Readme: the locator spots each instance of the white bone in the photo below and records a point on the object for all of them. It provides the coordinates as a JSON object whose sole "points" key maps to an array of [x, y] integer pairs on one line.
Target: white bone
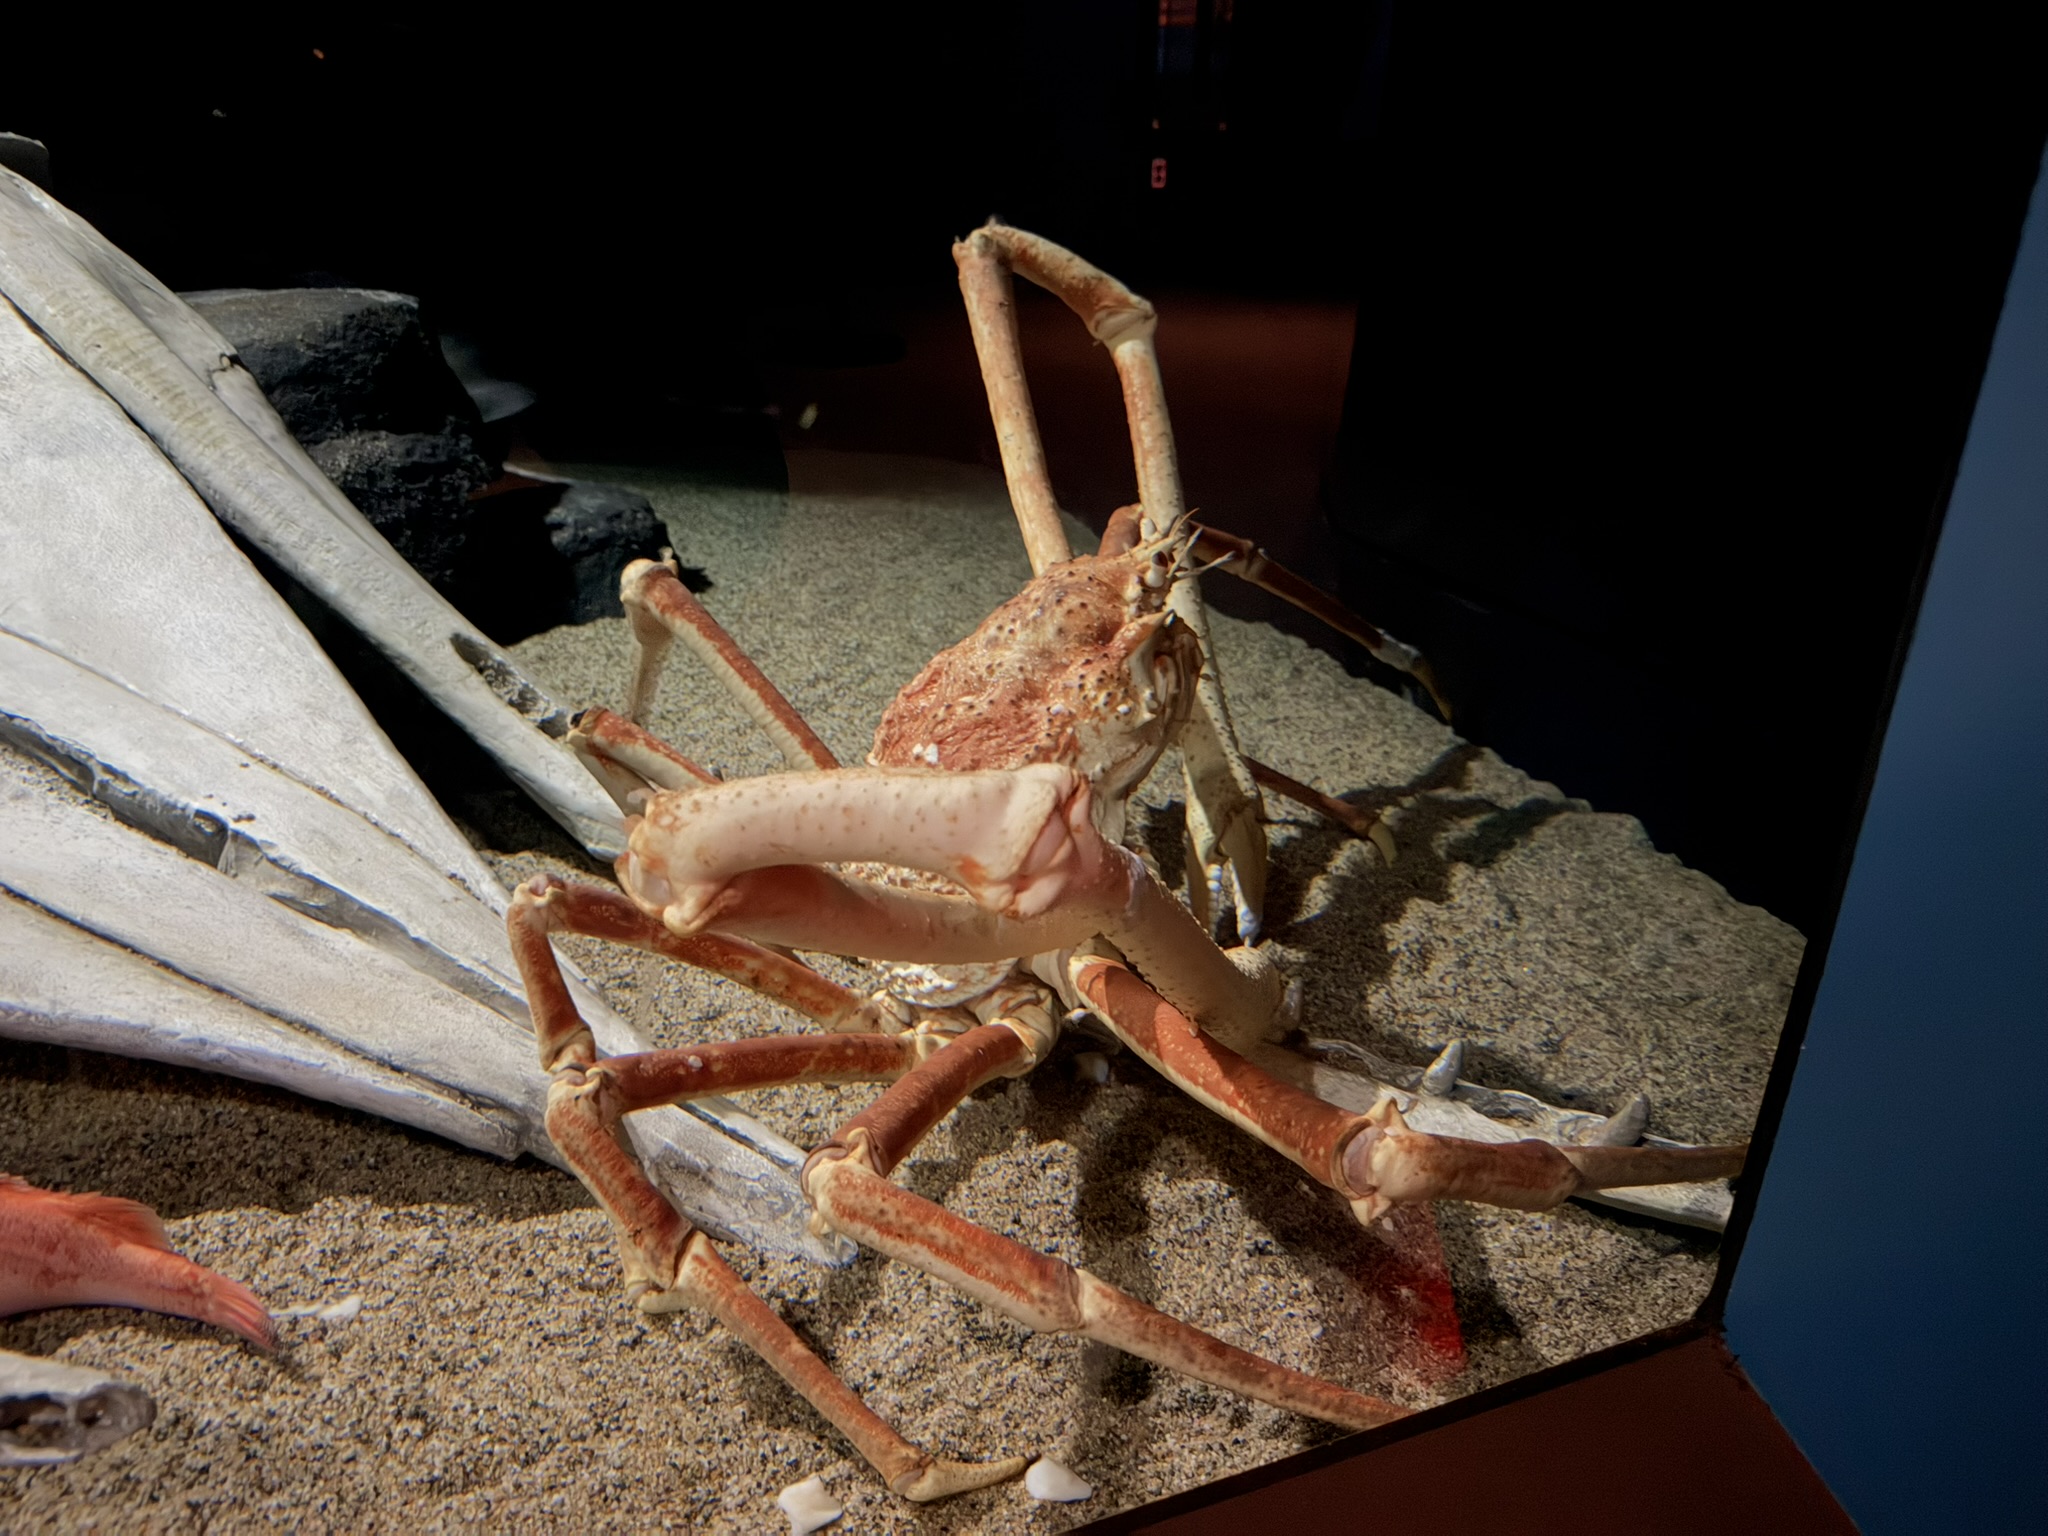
{"points": [[179, 379], [808, 1506], [51, 1413], [347, 1310], [201, 709]]}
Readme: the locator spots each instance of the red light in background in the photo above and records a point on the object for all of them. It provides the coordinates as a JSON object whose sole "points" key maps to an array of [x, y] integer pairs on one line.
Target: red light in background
{"points": [[1159, 174]]}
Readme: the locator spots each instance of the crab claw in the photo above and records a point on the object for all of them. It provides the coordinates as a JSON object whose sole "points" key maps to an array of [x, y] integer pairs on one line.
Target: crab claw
{"points": [[59, 1250], [1226, 834]]}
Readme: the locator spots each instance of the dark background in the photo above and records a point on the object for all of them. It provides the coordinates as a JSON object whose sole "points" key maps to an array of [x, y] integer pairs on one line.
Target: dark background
{"points": [[1667, 323]]}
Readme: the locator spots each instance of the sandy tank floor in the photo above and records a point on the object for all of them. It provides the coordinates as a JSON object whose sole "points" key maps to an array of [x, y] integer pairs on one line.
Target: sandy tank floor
{"points": [[495, 1374]]}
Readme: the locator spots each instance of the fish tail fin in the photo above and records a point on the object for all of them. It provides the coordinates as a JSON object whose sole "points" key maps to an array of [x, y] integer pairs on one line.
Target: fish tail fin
{"points": [[230, 1304], [130, 1263]]}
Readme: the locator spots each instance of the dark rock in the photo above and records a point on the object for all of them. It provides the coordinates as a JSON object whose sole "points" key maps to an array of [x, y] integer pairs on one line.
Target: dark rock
{"points": [[414, 486], [362, 385], [368, 391], [335, 360], [598, 529]]}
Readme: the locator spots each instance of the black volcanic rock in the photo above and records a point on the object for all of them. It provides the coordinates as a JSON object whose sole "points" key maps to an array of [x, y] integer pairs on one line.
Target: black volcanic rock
{"points": [[336, 360], [598, 529], [415, 487], [362, 385]]}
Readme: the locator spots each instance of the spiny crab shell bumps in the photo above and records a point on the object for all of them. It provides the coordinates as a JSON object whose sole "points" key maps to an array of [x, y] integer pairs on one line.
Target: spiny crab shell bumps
{"points": [[1086, 667]]}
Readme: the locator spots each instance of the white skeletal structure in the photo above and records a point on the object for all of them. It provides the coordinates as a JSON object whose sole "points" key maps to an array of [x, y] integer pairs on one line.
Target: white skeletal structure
{"points": [[52, 1413], [241, 874]]}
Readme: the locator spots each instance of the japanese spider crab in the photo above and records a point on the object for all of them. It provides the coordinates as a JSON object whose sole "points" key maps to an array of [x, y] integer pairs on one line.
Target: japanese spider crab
{"points": [[979, 856]]}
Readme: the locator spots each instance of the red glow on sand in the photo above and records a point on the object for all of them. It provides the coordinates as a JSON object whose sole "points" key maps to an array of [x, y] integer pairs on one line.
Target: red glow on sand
{"points": [[1412, 1281]]}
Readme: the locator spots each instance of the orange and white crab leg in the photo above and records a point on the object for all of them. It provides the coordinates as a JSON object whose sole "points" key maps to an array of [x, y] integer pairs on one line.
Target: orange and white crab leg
{"points": [[629, 760], [731, 858], [1049, 1296], [1359, 823], [846, 1181], [546, 904], [662, 610], [1225, 816], [1373, 1160], [669, 1264], [992, 317], [1243, 558], [1114, 315]]}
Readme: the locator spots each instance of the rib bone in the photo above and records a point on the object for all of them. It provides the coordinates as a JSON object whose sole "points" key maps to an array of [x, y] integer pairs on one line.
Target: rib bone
{"points": [[250, 791], [180, 380]]}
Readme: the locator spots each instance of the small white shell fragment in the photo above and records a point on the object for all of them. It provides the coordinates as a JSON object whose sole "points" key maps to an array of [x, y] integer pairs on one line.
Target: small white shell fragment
{"points": [[808, 1505], [346, 1310], [1091, 1067], [1050, 1481]]}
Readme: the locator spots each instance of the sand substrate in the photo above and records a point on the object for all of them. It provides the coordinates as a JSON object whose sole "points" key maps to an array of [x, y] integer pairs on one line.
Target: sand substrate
{"points": [[495, 1375]]}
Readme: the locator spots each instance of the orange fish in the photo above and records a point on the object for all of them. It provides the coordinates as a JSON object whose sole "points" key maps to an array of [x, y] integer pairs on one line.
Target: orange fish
{"points": [[61, 1250]]}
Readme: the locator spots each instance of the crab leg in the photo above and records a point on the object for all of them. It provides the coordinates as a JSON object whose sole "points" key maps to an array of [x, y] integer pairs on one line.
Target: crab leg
{"points": [[846, 1179], [1373, 1159], [1114, 315], [629, 760], [1224, 812], [546, 904], [1358, 823], [992, 316], [731, 858], [1049, 1296], [1246, 561], [669, 1264], [663, 610], [883, 1134], [682, 1073]]}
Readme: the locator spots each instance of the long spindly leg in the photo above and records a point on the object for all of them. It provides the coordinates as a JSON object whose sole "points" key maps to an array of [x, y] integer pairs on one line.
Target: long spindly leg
{"points": [[1225, 816], [846, 1179], [1358, 823], [992, 316], [1244, 559], [546, 904], [630, 761], [1373, 1160], [1115, 316], [663, 610], [669, 1264]]}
